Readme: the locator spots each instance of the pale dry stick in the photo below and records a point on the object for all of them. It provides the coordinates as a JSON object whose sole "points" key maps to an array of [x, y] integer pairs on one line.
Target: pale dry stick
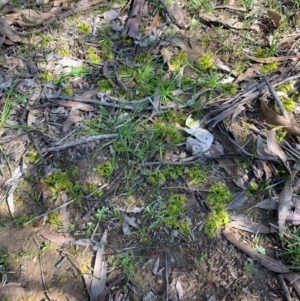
{"points": [[283, 284], [277, 99], [79, 141], [94, 232], [62, 205], [166, 274], [42, 272]]}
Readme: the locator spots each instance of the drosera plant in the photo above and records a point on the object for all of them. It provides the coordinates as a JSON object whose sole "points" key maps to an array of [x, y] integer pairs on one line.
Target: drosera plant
{"points": [[105, 169], [219, 194]]}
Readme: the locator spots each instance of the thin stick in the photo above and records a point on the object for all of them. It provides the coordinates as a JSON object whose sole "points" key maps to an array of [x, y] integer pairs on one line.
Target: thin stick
{"points": [[277, 99], [42, 273], [79, 141], [166, 275]]}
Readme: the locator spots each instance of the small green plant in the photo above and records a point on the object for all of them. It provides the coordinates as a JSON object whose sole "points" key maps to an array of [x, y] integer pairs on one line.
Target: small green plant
{"points": [[196, 174], [179, 60], [92, 55], [101, 214], [288, 103], [105, 169], [83, 27], [126, 262], [46, 76], [157, 177], [206, 61], [67, 91], [54, 219], [104, 85], [249, 268], [93, 188]]}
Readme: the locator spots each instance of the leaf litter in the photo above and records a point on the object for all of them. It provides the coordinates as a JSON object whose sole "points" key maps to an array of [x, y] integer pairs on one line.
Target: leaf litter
{"points": [[69, 127]]}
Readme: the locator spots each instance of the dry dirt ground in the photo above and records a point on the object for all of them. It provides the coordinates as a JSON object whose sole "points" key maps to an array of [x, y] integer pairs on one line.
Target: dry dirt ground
{"points": [[49, 257]]}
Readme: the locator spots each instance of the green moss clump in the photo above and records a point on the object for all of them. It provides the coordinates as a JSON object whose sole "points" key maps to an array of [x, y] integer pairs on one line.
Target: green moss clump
{"points": [[196, 174], [61, 181], [157, 177], [174, 116], [93, 187], [215, 220], [265, 68], [105, 169], [32, 156], [219, 194], [179, 60], [174, 171], [104, 85], [46, 76], [84, 27], [63, 51], [206, 61], [280, 134], [172, 211], [288, 103], [54, 219], [67, 91], [167, 130], [229, 89], [92, 55]]}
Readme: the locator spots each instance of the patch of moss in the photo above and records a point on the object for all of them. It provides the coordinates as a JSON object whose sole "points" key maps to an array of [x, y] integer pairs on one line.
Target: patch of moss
{"points": [[215, 220], [167, 130], [229, 89], [206, 61], [83, 27], [104, 85], [105, 169], [280, 134], [46, 39], [93, 187], [265, 68], [179, 60], [288, 103], [32, 156], [67, 91], [157, 177], [63, 51], [92, 55], [46, 76], [54, 219], [219, 194], [174, 116], [62, 181], [205, 40], [174, 171], [196, 174]]}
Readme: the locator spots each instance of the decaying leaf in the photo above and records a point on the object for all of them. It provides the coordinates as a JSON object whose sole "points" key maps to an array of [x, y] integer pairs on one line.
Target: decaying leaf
{"points": [[268, 60], [293, 216], [275, 119], [238, 201], [228, 166], [33, 17], [154, 22], [233, 23], [75, 105], [14, 290], [108, 16], [285, 203], [139, 9], [167, 55], [56, 239], [178, 13], [294, 279], [98, 283], [72, 118], [275, 17], [268, 204], [249, 73], [248, 226], [7, 32], [156, 266], [179, 290], [264, 260], [275, 149]]}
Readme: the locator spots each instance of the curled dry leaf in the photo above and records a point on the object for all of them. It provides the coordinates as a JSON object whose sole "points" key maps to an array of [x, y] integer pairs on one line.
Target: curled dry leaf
{"points": [[56, 239], [154, 22], [233, 23], [275, 149], [35, 17], [178, 14], [285, 202], [248, 226], [75, 105], [7, 32], [275, 119], [249, 73], [268, 60], [72, 118]]}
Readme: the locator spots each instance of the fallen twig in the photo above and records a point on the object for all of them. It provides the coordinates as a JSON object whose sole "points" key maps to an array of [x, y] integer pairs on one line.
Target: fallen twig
{"points": [[79, 141]]}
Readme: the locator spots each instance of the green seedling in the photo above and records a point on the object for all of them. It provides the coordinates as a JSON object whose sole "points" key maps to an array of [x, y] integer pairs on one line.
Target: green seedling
{"points": [[101, 214], [105, 169]]}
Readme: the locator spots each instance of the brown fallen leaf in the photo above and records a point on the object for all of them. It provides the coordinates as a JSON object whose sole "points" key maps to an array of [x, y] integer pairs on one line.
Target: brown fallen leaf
{"points": [[72, 118], [285, 203], [228, 166], [178, 14], [231, 7], [254, 70], [273, 118], [265, 260], [76, 105], [167, 55], [269, 60], [233, 23], [275, 149], [248, 226], [139, 9], [154, 22], [56, 239], [7, 32], [34, 17], [294, 279], [275, 17]]}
